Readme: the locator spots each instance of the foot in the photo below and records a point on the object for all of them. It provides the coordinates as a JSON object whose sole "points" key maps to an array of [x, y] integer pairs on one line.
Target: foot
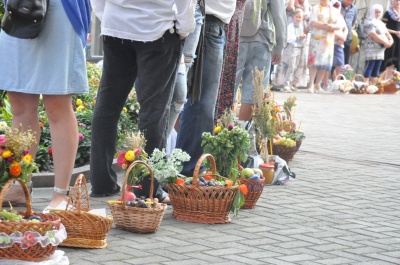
{"points": [[310, 89], [286, 89], [318, 89], [62, 206], [116, 191], [15, 195], [293, 88]]}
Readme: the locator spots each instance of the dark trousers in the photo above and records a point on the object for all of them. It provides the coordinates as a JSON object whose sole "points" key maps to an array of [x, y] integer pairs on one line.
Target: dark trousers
{"points": [[154, 64], [346, 51]]}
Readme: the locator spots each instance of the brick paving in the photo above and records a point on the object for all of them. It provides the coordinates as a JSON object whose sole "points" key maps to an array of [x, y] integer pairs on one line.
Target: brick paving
{"points": [[342, 207]]}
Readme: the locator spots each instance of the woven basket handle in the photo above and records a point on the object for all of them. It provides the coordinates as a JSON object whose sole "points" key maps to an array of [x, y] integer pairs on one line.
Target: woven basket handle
{"points": [[340, 75], [354, 77], [78, 196], [198, 165], [7, 185], [124, 183]]}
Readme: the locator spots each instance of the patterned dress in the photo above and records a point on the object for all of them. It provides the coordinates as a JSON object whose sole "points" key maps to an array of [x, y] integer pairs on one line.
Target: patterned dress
{"points": [[320, 54], [226, 90]]}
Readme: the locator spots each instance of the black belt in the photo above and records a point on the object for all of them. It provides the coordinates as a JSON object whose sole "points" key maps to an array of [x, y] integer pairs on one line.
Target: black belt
{"points": [[212, 18]]}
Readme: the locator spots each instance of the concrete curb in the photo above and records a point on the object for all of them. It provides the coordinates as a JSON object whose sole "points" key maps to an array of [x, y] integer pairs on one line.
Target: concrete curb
{"points": [[46, 179]]}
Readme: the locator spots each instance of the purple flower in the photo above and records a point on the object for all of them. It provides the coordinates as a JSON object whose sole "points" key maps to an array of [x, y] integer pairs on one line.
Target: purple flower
{"points": [[81, 137], [230, 127], [10, 159], [82, 125], [26, 152]]}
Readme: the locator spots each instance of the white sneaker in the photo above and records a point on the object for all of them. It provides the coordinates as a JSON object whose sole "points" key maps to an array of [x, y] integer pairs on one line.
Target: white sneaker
{"points": [[286, 89]]}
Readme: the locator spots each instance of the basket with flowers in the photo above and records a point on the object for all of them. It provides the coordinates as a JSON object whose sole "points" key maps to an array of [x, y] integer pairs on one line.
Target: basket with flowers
{"points": [[23, 235], [208, 197], [138, 215], [289, 136]]}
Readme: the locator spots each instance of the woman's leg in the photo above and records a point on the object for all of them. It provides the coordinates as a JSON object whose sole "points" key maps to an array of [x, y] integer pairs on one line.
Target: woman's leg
{"points": [[313, 73], [320, 75], [64, 138], [24, 109]]}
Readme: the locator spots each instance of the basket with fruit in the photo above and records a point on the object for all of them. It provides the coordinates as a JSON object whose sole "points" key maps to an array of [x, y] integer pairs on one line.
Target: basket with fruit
{"points": [[84, 229], [200, 200], [137, 215], [254, 180], [27, 235]]}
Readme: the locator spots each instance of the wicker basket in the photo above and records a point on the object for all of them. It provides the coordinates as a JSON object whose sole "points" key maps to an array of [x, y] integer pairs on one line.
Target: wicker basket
{"points": [[201, 204], [254, 190], [36, 252], [133, 219], [284, 152], [84, 230]]}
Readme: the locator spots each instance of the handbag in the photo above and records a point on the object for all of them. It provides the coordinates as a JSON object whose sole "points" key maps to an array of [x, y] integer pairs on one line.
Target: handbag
{"points": [[24, 19]]}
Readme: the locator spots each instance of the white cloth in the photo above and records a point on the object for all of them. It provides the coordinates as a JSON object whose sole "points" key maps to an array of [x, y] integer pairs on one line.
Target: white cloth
{"points": [[57, 258], [144, 20], [222, 9]]}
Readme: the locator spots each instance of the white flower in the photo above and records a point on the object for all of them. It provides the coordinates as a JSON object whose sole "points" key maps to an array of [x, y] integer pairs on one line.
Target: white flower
{"points": [[3, 126]]}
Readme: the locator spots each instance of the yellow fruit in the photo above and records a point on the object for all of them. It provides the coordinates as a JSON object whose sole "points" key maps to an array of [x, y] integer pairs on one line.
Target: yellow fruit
{"points": [[6, 154]]}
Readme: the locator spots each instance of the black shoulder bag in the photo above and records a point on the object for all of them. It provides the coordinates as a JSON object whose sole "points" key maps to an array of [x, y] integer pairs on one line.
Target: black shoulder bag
{"points": [[24, 19]]}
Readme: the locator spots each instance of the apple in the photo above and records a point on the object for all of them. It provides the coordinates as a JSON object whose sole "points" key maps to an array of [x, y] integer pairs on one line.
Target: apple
{"points": [[246, 173], [128, 196]]}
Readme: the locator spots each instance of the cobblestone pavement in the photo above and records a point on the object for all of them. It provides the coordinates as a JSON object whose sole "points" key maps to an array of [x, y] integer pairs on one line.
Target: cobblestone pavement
{"points": [[342, 207]]}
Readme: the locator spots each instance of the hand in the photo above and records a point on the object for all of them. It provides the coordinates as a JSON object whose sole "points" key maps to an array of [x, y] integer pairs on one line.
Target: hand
{"points": [[276, 58], [398, 34], [181, 38], [302, 36], [388, 44]]}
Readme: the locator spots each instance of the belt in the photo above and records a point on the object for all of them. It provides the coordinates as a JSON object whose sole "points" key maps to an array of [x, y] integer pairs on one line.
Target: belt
{"points": [[212, 18]]}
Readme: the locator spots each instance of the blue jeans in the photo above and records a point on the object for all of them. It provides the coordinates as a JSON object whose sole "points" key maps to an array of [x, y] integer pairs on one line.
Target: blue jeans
{"points": [[372, 68], [198, 117], [188, 56], [251, 54], [154, 64]]}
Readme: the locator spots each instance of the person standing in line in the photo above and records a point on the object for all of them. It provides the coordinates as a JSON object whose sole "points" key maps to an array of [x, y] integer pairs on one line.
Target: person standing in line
{"points": [[260, 50], [323, 22], [226, 92], [377, 40], [349, 12], [52, 65], [142, 40], [392, 20], [292, 52], [198, 115]]}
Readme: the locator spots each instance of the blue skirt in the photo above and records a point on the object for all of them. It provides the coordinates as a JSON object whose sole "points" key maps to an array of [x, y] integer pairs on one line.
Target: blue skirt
{"points": [[53, 63]]}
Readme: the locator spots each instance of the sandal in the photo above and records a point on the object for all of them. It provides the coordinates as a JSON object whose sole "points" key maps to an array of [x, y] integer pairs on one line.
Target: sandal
{"points": [[62, 205]]}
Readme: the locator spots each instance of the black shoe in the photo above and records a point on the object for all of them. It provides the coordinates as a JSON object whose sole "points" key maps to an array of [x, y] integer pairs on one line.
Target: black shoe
{"points": [[116, 191]]}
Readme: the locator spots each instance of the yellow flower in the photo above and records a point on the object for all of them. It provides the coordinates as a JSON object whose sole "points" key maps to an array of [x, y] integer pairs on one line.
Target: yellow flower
{"points": [[217, 129], [125, 109], [6, 154], [130, 156], [79, 102], [80, 108], [27, 159]]}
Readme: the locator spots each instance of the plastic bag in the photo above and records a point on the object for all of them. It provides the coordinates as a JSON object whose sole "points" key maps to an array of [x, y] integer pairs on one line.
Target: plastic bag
{"points": [[282, 173]]}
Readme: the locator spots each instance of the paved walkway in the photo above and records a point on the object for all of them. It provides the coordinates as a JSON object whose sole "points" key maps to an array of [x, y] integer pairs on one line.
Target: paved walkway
{"points": [[342, 208]]}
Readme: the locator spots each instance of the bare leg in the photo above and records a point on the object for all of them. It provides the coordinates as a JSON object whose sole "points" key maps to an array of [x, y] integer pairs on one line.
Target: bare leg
{"points": [[64, 138], [320, 75], [24, 108], [313, 73], [245, 112]]}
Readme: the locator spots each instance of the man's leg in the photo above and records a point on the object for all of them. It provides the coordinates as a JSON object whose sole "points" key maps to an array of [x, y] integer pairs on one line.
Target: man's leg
{"points": [[119, 74], [158, 61], [198, 117]]}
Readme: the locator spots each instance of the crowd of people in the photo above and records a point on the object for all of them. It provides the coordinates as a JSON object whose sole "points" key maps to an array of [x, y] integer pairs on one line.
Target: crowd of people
{"points": [[187, 59]]}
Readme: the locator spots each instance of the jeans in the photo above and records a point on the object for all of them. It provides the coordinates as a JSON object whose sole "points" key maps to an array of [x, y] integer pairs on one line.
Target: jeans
{"points": [[154, 63], [251, 54], [372, 68], [188, 56], [198, 117]]}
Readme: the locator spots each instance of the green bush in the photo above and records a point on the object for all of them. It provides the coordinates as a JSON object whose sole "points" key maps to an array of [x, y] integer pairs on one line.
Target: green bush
{"points": [[1, 10]]}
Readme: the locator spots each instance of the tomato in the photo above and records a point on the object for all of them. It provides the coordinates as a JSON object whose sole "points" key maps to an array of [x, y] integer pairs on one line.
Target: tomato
{"points": [[180, 182], [209, 176], [228, 183], [243, 189]]}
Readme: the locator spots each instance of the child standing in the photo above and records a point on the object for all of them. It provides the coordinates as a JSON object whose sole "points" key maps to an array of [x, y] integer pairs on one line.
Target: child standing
{"points": [[292, 52]]}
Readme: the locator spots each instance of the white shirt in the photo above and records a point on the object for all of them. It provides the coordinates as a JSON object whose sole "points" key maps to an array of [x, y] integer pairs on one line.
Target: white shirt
{"points": [[222, 9], [145, 20]]}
